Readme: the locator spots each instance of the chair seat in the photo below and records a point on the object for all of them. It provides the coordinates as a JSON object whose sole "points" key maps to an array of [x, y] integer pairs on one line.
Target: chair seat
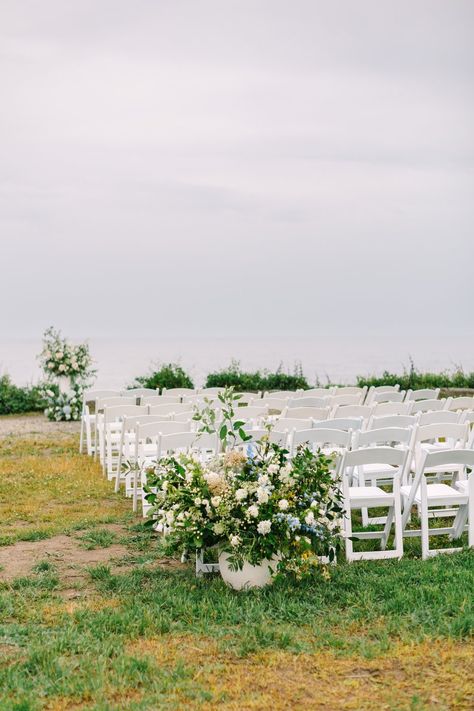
{"points": [[437, 494], [375, 470], [364, 496]]}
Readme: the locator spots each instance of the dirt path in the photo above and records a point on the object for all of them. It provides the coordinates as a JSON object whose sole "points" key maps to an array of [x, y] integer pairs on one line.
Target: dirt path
{"points": [[36, 424]]}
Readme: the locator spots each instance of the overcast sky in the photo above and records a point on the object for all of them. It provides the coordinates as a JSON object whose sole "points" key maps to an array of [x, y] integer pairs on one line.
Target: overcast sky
{"points": [[244, 167]]}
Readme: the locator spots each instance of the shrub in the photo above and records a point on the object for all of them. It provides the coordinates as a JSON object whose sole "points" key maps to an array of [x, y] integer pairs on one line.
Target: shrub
{"points": [[170, 375], [258, 380], [414, 379], [15, 400]]}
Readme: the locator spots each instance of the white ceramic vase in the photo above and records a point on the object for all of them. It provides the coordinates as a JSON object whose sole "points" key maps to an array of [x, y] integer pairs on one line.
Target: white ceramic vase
{"points": [[251, 576]]}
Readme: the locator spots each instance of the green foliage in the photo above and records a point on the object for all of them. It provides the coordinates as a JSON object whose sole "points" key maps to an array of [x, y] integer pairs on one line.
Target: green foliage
{"points": [[170, 375], [259, 380], [14, 400], [412, 378]]}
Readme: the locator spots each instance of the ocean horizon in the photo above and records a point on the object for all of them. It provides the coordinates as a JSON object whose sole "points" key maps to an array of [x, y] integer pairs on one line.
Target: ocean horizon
{"points": [[119, 360]]}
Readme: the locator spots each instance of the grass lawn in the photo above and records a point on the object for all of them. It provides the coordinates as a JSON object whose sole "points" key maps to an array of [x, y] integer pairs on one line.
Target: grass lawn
{"points": [[93, 617]]}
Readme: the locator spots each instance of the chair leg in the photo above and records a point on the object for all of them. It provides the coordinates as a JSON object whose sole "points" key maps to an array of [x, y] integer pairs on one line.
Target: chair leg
{"points": [[81, 439], [348, 534], [398, 518], [425, 541], [387, 527], [470, 509]]}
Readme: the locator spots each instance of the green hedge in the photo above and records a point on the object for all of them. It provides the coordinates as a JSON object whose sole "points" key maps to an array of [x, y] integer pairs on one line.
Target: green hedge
{"points": [[414, 379], [14, 400], [258, 380], [168, 376]]}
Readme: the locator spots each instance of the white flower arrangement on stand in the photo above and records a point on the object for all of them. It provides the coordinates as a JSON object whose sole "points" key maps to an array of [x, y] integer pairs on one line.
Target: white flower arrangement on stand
{"points": [[68, 372], [257, 508]]}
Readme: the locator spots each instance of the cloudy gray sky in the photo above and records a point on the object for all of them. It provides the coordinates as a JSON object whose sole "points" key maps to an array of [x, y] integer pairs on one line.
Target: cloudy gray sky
{"points": [[237, 167]]}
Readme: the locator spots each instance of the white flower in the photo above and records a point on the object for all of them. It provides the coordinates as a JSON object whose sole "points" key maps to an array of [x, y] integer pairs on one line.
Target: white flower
{"points": [[62, 367], [59, 354], [50, 366], [214, 481], [253, 511], [216, 500], [169, 517], [262, 495], [197, 502], [235, 541], [309, 518], [273, 468], [283, 504], [218, 528], [241, 494], [264, 527]]}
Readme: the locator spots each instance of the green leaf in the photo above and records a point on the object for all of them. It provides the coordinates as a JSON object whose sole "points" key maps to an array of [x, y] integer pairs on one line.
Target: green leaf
{"points": [[223, 432], [239, 424]]}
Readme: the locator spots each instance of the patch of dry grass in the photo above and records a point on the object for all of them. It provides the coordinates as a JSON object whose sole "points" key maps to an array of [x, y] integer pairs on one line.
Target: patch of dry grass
{"points": [[47, 487]]}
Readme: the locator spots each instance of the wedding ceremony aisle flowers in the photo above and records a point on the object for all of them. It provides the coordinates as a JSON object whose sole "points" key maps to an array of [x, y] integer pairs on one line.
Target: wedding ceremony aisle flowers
{"points": [[68, 372], [250, 502]]}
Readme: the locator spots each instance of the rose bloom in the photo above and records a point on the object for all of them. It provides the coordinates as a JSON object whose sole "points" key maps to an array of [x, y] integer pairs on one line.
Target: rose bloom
{"points": [[264, 527], [253, 511], [283, 504], [241, 494]]}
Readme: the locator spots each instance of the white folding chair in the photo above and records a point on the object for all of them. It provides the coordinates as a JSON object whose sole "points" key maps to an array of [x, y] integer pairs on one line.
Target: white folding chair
{"points": [[100, 404], [308, 402], [89, 398], [427, 496], [340, 423], [180, 392], [382, 409], [360, 497], [379, 474], [160, 400], [350, 390], [148, 449], [274, 404], [423, 394], [305, 413], [379, 389], [287, 424], [317, 392], [328, 441], [387, 396], [460, 403], [139, 392], [345, 399], [427, 406], [435, 417], [280, 394], [436, 437], [170, 409], [377, 422], [363, 411], [112, 434]]}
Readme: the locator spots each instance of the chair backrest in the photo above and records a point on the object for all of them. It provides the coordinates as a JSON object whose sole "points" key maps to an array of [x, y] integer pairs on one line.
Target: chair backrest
{"points": [[349, 390], [179, 391], [385, 436], [273, 436], [345, 399], [467, 416], [375, 455], [340, 423], [363, 411], [251, 411], [380, 389], [449, 431], [89, 396], [280, 394], [388, 396], [185, 441], [392, 421], [423, 394], [318, 392], [427, 406], [164, 426], [273, 403], [434, 417], [383, 409], [205, 392], [170, 408], [318, 438], [139, 392], [460, 403], [115, 413], [308, 402], [160, 399], [301, 413], [287, 424], [103, 402]]}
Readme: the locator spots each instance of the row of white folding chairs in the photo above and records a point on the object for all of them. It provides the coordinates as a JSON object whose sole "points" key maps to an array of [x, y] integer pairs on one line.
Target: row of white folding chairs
{"points": [[457, 497]]}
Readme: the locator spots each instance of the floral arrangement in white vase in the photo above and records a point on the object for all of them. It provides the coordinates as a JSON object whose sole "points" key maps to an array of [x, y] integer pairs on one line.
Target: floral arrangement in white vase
{"points": [[252, 503], [68, 372]]}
